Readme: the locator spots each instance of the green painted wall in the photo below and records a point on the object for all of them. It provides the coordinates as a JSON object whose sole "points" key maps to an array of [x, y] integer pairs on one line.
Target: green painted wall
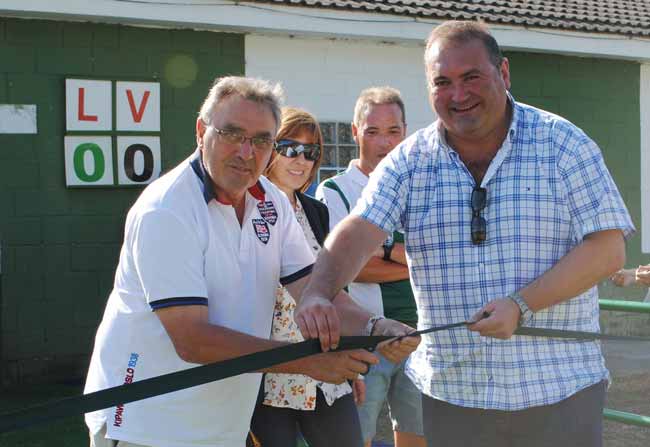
{"points": [[60, 246], [602, 97]]}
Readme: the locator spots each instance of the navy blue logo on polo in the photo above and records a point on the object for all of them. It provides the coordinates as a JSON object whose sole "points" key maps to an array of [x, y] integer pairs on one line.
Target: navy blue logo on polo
{"points": [[268, 212], [261, 230]]}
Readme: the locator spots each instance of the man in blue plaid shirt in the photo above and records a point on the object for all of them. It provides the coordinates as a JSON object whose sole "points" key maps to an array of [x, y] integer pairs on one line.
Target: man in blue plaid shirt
{"points": [[507, 210]]}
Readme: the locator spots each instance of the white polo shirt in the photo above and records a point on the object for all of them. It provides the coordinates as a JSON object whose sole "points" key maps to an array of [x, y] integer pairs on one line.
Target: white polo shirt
{"points": [[183, 247], [351, 183]]}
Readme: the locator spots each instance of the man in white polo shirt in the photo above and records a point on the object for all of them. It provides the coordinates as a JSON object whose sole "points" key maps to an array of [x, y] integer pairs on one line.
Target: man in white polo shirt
{"points": [[204, 249]]}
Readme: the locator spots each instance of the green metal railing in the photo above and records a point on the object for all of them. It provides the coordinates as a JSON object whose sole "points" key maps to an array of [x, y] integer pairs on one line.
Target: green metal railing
{"points": [[625, 306], [634, 307], [626, 418]]}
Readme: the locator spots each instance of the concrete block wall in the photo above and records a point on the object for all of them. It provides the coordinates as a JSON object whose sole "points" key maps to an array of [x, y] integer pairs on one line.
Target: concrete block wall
{"points": [[60, 246], [602, 97]]}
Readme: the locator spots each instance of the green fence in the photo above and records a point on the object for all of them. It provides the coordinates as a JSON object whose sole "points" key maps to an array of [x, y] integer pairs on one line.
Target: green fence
{"points": [[635, 307]]}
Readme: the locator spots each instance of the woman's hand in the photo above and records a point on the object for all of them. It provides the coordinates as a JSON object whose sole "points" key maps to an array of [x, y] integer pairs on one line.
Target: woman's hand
{"points": [[395, 350]]}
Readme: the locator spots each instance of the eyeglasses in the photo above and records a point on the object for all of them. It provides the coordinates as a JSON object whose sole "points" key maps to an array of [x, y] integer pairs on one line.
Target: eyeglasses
{"points": [[479, 224], [293, 149], [237, 138]]}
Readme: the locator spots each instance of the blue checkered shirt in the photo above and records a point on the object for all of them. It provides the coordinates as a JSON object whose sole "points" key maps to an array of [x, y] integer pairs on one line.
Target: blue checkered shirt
{"points": [[547, 187]]}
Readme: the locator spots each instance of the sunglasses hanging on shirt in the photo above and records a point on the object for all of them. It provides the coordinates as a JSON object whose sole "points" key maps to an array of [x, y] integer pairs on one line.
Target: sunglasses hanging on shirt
{"points": [[479, 224], [293, 149]]}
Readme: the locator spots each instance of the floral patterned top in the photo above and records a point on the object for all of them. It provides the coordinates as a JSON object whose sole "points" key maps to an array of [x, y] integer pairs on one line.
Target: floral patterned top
{"points": [[295, 391]]}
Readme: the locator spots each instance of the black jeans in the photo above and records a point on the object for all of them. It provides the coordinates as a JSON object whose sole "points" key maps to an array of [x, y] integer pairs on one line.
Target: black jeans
{"points": [[576, 421], [325, 426]]}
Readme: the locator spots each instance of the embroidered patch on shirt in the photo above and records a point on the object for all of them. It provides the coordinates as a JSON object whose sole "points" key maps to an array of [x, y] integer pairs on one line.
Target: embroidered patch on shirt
{"points": [[261, 230], [268, 212]]}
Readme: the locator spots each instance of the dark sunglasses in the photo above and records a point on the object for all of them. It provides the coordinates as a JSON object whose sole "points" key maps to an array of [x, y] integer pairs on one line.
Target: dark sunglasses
{"points": [[479, 224], [292, 149]]}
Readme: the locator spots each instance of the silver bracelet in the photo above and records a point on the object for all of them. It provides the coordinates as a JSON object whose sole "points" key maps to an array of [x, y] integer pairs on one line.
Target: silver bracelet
{"points": [[370, 325]]}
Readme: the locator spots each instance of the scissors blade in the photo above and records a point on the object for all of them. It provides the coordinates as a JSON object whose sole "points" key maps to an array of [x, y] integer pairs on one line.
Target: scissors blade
{"points": [[434, 329]]}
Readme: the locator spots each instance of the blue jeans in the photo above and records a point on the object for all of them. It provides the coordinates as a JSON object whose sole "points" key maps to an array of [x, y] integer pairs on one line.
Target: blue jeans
{"points": [[387, 381]]}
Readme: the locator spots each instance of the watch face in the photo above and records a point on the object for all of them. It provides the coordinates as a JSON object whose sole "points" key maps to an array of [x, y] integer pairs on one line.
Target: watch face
{"points": [[526, 316], [526, 313]]}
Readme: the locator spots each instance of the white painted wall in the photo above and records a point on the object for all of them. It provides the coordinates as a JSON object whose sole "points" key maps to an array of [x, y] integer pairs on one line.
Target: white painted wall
{"points": [[645, 157], [325, 76]]}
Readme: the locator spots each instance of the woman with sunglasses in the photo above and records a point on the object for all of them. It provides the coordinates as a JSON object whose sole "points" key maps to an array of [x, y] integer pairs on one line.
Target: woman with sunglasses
{"points": [[324, 413]]}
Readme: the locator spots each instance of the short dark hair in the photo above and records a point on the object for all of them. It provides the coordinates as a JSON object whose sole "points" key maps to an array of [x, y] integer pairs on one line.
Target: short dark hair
{"points": [[461, 32]]}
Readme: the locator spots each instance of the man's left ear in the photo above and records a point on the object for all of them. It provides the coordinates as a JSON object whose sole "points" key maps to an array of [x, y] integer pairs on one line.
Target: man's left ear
{"points": [[505, 72], [200, 131], [355, 131]]}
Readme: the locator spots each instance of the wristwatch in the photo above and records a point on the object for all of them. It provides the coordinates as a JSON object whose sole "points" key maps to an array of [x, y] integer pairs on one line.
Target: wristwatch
{"points": [[388, 248], [370, 325], [526, 313]]}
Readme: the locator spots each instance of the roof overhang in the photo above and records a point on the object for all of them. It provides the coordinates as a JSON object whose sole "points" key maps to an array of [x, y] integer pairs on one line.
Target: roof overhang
{"points": [[247, 17]]}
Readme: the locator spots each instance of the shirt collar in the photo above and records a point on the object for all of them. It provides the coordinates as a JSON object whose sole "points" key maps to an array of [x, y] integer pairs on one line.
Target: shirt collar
{"points": [[514, 120], [356, 175], [257, 190]]}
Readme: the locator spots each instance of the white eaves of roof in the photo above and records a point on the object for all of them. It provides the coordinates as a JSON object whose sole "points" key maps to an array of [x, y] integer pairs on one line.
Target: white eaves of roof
{"points": [[231, 16]]}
